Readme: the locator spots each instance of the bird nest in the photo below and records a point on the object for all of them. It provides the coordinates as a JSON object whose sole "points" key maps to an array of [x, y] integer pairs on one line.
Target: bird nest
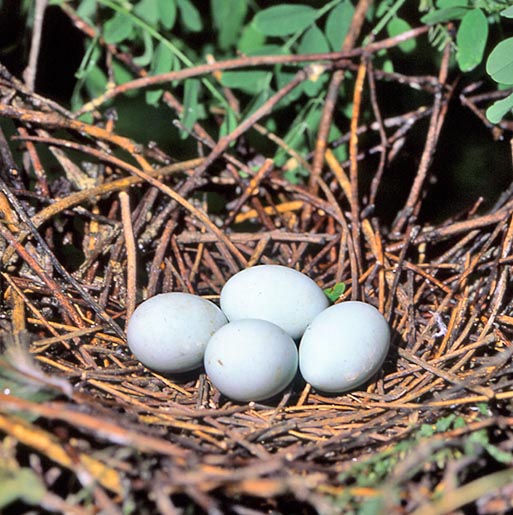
{"points": [[87, 429]]}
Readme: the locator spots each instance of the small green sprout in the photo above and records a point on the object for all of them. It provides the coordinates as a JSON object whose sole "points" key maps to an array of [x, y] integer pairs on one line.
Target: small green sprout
{"points": [[335, 291]]}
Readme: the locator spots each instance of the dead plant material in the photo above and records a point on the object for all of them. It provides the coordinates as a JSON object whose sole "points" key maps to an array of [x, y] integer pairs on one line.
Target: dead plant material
{"points": [[76, 256]]}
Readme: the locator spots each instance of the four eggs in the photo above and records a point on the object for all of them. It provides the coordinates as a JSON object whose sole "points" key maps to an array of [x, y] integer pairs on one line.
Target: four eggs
{"points": [[248, 347]]}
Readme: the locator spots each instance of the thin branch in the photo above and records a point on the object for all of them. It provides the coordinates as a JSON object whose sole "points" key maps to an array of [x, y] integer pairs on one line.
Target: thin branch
{"points": [[29, 74]]}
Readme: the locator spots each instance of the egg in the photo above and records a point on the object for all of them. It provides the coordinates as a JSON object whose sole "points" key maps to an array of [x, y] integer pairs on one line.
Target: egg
{"points": [[344, 346], [169, 332], [251, 360], [275, 293]]}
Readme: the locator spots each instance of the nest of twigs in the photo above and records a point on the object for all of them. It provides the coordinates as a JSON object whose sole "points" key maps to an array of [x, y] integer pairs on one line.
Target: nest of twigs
{"points": [[97, 432]]}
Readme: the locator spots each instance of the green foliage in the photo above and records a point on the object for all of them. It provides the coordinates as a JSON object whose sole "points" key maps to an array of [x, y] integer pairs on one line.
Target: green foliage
{"points": [[474, 19], [191, 106], [499, 109], [397, 26], [251, 81], [430, 446], [471, 40], [338, 23], [118, 28], [444, 15], [167, 13], [166, 35], [500, 67], [162, 62], [335, 291], [500, 62], [228, 17], [190, 15], [20, 484], [284, 19], [508, 13], [20, 375]]}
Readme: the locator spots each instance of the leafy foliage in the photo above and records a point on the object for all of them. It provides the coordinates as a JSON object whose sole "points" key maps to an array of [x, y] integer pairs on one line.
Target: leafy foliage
{"points": [[160, 35], [20, 484], [471, 40], [430, 446]]}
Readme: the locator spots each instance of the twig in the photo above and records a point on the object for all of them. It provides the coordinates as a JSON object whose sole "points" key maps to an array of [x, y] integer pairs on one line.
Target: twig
{"points": [[262, 111], [429, 148], [249, 62], [131, 273], [29, 74], [333, 92]]}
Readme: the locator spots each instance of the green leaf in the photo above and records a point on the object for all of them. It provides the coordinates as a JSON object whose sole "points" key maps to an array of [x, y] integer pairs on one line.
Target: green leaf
{"points": [[122, 74], [228, 16], [190, 15], [148, 10], [340, 151], [95, 82], [268, 50], [479, 437], [313, 42], [86, 10], [443, 424], [229, 124], [398, 26], [373, 505], [383, 8], [251, 81], [22, 485], [146, 57], [118, 28], [161, 62], [507, 13], [499, 455], [167, 13], [426, 430], [459, 422], [91, 57], [443, 15], [257, 101], [284, 19], [283, 77], [483, 409], [250, 39], [335, 291], [496, 112], [190, 105], [445, 4], [295, 175], [314, 85], [295, 138], [500, 62], [471, 40], [338, 23]]}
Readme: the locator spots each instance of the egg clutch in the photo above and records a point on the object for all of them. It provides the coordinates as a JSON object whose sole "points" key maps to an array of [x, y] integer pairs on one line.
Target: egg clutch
{"points": [[249, 346]]}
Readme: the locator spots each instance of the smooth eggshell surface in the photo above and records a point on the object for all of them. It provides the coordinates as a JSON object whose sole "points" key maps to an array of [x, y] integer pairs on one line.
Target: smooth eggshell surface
{"points": [[251, 360], [169, 332], [275, 293], [344, 346]]}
